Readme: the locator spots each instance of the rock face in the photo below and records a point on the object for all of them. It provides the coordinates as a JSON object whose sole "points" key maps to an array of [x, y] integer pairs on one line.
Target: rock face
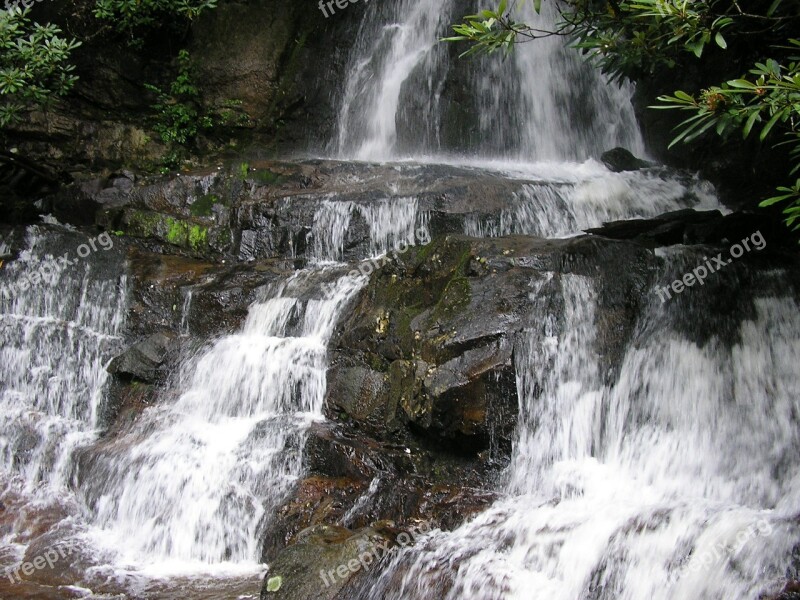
{"points": [[422, 386], [620, 159], [334, 555], [143, 361]]}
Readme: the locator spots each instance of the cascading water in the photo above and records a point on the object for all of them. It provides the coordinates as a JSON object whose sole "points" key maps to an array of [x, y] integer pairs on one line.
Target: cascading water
{"points": [[677, 480], [406, 95], [191, 483], [56, 337], [60, 323], [193, 479]]}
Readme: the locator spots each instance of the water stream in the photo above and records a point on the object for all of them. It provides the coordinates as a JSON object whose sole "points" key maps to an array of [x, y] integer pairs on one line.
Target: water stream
{"points": [[678, 479]]}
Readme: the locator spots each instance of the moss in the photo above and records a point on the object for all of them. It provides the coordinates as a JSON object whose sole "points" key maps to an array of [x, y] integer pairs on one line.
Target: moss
{"points": [[198, 237], [142, 223], [224, 239], [267, 177], [204, 206], [177, 232], [376, 362], [455, 296]]}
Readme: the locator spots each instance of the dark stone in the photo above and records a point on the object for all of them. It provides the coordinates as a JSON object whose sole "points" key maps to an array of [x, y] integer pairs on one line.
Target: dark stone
{"points": [[620, 159], [144, 361], [305, 567], [692, 227]]}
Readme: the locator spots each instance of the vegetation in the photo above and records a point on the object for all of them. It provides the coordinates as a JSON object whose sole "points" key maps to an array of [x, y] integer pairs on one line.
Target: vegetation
{"points": [[635, 38], [34, 65], [179, 116], [132, 18], [35, 69]]}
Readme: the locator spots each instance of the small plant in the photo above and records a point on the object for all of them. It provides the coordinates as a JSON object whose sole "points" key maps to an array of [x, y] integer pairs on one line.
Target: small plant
{"points": [[767, 99], [244, 170], [179, 117], [133, 17], [34, 65]]}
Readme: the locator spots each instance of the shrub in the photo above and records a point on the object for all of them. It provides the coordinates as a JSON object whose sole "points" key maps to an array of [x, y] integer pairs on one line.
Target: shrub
{"points": [[34, 65]]}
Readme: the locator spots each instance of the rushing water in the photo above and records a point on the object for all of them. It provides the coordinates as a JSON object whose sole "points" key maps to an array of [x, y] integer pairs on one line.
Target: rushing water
{"points": [[193, 479], [678, 480], [406, 95], [56, 338]]}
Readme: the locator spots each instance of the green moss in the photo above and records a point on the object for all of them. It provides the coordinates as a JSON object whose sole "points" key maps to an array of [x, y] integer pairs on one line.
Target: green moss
{"points": [[267, 177], [142, 223], [177, 231], [198, 237], [244, 171], [204, 206]]}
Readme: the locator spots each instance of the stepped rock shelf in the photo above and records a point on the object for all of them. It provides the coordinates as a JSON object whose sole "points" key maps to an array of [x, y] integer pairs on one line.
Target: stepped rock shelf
{"points": [[408, 374]]}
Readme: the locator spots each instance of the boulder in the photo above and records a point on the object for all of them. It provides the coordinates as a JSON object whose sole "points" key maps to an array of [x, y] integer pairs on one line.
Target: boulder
{"points": [[144, 360], [322, 560], [620, 159]]}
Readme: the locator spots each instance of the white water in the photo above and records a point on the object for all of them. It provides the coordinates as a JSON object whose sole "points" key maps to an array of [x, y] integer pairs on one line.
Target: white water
{"points": [[390, 222], [190, 483], [564, 208], [55, 338], [680, 480], [542, 103]]}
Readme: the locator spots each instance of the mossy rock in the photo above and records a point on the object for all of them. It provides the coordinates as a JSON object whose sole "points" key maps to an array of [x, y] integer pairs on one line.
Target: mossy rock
{"points": [[178, 232]]}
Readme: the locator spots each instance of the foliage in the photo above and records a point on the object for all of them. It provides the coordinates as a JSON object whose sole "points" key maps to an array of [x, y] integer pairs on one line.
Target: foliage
{"points": [[34, 65], [180, 116], [132, 17], [767, 98], [178, 112], [634, 38]]}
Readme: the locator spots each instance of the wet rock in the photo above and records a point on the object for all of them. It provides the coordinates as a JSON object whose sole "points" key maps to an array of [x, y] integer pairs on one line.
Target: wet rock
{"points": [[790, 591], [440, 324], [322, 560], [620, 159], [144, 361], [355, 479]]}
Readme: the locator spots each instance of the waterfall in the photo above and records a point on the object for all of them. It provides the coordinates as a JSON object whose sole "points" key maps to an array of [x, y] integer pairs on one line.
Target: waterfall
{"points": [[56, 335], [192, 480], [678, 480], [407, 95]]}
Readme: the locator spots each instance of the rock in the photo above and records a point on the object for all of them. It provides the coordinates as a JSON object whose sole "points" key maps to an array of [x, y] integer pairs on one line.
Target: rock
{"points": [[697, 227], [144, 360], [620, 159], [322, 561], [790, 591], [439, 323]]}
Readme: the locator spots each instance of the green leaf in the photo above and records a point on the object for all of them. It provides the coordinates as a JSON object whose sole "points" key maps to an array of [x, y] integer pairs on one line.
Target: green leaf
{"points": [[720, 41], [773, 7], [770, 124], [274, 583], [748, 126], [774, 200], [741, 83]]}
